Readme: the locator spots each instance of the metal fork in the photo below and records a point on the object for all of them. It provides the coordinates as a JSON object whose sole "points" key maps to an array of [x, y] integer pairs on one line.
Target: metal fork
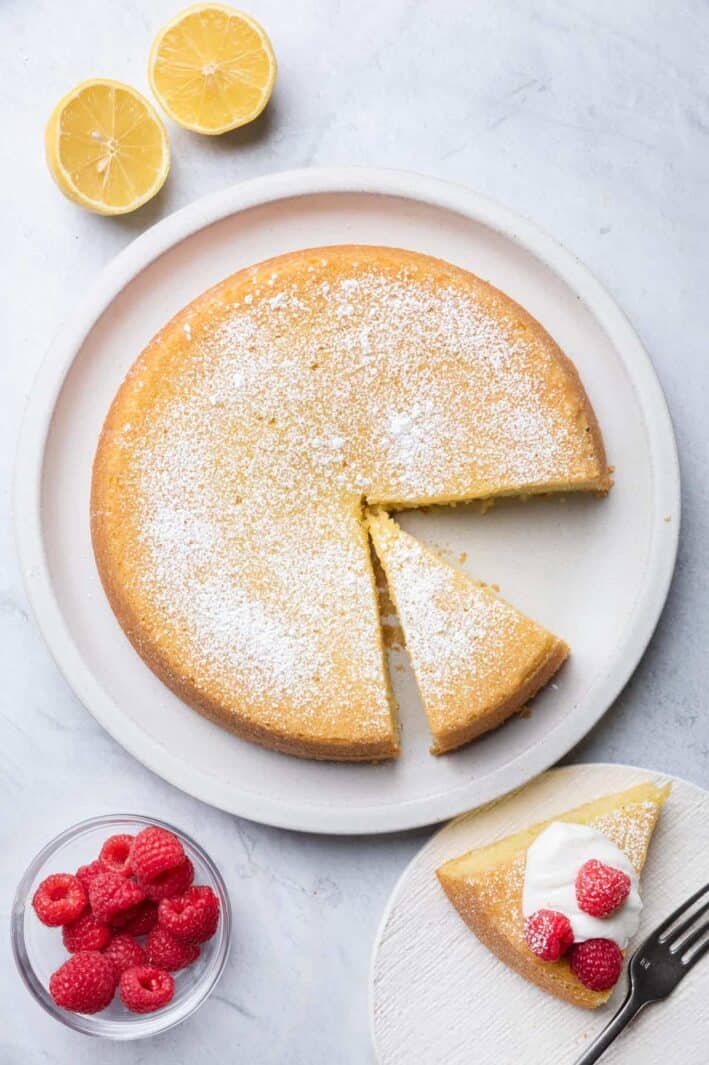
{"points": [[657, 966]]}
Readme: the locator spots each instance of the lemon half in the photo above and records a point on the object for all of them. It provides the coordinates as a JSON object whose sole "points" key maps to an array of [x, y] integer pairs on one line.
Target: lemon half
{"points": [[107, 147], [212, 68]]}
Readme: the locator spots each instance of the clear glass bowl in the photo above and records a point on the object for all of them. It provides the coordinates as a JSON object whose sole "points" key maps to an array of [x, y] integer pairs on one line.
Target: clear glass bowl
{"points": [[39, 950]]}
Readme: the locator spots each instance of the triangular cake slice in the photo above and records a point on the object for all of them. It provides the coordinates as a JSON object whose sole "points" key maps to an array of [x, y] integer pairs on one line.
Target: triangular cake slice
{"points": [[485, 885], [476, 659]]}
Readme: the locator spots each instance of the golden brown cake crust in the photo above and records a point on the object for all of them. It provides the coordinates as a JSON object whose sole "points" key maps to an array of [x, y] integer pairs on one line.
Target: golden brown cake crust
{"points": [[228, 480], [497, 715], [485, 885]]}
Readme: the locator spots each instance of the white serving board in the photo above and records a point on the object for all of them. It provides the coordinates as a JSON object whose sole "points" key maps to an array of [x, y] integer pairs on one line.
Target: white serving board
{"points": [[439, 997]]}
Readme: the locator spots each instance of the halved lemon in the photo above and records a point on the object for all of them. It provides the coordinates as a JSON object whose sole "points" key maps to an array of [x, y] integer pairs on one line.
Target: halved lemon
{"points": [[212, 68], [107, 147]]}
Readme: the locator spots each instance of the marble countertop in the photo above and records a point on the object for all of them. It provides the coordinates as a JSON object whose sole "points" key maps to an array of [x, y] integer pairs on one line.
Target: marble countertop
{"points": [[589, 116]]}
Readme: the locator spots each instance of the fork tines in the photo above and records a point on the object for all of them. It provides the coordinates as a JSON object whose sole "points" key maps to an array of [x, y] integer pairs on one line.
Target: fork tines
{"points": [[683, 929]]}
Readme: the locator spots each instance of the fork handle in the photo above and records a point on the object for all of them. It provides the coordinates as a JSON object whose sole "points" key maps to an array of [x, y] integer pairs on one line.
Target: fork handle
{"points": [[632, 1005]]}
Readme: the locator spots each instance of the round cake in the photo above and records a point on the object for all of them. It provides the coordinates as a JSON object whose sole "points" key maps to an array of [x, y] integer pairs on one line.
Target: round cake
{"points": [[237, 458]]}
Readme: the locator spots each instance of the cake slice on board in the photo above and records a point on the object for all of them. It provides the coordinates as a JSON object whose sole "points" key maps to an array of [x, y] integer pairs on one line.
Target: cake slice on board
{"points": [[486, 885], [476, 658]]}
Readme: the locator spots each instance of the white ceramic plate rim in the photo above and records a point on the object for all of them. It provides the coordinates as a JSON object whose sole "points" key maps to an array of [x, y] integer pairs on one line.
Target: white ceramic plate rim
{"points": [[33, 439], [406, 872]]}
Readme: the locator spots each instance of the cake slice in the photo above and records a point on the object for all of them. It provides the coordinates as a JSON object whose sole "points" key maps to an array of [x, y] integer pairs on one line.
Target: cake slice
{"points": [[476, 659], [486, 885]]}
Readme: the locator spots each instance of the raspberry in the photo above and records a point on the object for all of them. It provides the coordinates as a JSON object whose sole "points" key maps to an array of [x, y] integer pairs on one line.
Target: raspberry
{"points": [[115, 854], [144, 989], [601, 889], [86, 873], [139, 920], [548, 934], [192, 917], [60, 899], [597, 963], [171, 882], [124, 952], [154, 851], [85, 983], [86, 934], [111, 894], [166, 952]]}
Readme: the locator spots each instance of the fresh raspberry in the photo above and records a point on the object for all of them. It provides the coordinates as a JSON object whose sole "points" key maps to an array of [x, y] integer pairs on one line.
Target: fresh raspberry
{"points": [[154, 851], [124, 952], [60, 899], [601, 889], [171, 882], [548, 934], [192, 917], [137, 921], [86, 934], [86, 873], [144, 989], [115, 854], [85, 983], [166, 952], [111, 894], [597, 963]]}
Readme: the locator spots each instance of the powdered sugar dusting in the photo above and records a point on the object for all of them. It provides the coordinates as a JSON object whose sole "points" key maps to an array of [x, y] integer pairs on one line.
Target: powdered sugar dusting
{"points": [[468, 648], [629, 827], [273, 631], [297, 394], [448, 633]]}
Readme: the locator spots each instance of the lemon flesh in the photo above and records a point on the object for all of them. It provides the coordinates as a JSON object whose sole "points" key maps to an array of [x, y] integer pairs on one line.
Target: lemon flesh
{"points": [[107, 148], [212, 69]]}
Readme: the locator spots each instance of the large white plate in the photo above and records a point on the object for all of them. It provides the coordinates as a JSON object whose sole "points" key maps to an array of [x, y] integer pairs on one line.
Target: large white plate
{"points": [[439, 997], [595, 571]]}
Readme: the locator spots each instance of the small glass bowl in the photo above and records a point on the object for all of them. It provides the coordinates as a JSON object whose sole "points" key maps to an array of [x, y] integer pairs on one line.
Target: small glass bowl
{"points": [[39, 950]]}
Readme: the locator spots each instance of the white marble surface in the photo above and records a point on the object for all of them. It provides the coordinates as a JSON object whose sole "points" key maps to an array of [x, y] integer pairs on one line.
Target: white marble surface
{"points": [[591, 117]]}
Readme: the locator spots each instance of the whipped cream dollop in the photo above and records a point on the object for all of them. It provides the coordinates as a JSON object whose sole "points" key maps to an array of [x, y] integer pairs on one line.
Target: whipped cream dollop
{"points": [[553, 861]]}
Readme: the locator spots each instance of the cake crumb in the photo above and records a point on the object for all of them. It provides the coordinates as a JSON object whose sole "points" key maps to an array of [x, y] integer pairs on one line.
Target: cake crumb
{"points": [[392, 635]]}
